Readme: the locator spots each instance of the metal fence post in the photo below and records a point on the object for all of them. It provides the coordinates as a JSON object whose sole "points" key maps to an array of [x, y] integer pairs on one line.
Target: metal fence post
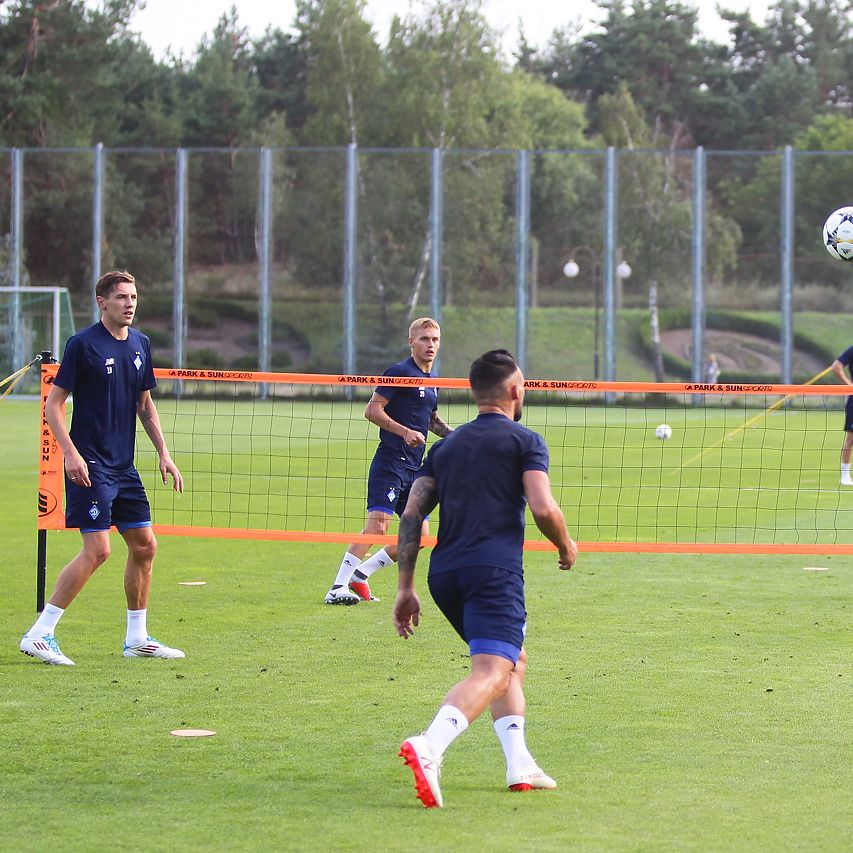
{"points": [[698, 263], [97, 223], [350, 257], [16, 258], [611, 241], [436, 230], [264, 250], [179, 314], [522, 255], [787, 262]]}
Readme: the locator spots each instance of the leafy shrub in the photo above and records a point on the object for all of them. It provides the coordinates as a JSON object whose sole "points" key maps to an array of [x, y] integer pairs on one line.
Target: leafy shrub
{"points": [[205, 357]]}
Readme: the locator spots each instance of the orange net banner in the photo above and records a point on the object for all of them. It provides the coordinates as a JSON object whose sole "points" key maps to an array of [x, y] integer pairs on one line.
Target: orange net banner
{"points": [[636, 466], [51, 465]]}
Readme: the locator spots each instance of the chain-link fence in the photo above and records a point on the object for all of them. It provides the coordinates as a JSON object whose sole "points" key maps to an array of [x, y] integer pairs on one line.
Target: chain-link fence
{"points": [[316, 260]]}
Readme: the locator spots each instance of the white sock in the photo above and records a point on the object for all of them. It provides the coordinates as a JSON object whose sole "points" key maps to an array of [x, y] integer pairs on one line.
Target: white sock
{"points": [[46, 623], [448, 724], [348, 565], [378, 561], [845, 469], [510, 732], [137, 632]]}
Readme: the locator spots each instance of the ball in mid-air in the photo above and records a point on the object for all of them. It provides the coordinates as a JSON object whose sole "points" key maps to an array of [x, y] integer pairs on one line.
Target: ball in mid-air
{"points": [[663, 431], [838, 234]]}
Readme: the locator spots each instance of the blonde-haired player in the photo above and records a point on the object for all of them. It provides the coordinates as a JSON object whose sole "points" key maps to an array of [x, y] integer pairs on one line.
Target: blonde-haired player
{"points": [[404, 415]]}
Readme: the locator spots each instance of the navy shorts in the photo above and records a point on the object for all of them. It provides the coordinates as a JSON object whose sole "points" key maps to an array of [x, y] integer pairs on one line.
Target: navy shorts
{"points": [[388, 485], [485, 606], [848, 415], [115, 498]]}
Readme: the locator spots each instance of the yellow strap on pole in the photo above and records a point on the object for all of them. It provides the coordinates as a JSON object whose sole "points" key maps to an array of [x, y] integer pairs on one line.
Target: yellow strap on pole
{"points": [[777, 405], [14, 378]]}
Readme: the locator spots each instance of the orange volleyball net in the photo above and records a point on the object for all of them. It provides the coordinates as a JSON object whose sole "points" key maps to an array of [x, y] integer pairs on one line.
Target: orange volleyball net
{"points": [[741, 468]]}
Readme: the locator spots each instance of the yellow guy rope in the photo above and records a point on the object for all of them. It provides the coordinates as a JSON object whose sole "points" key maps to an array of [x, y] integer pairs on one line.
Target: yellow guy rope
{"points": [[778, 404], [14, 378]]}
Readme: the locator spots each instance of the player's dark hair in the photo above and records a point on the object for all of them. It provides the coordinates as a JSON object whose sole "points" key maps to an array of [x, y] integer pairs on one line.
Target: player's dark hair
{"points": [[109, 280], [491, 370]]}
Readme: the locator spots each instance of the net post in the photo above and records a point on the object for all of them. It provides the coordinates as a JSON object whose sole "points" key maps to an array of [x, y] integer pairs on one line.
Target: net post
{"points": [[43, 504]]}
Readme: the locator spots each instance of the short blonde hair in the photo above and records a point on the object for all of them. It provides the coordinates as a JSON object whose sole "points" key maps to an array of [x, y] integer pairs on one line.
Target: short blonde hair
{"points": [[423, 323]]}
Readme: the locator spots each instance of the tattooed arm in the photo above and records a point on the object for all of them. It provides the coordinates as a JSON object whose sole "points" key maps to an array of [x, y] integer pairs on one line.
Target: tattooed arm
{"points": [[438, 426], [407, 608]]}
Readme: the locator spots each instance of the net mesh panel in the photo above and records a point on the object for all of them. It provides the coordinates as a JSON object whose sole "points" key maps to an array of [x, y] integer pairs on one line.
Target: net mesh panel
{"points": [[282, 456]]}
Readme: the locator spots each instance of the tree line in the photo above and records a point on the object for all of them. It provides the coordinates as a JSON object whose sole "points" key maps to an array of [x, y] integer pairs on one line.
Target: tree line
{"points": [[644, 78]]}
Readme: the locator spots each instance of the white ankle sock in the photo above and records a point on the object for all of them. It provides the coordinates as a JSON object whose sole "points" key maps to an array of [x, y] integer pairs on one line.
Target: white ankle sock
{"points": [[46, 623], [510, 732], [137, 631], [379, 560], [448, 724], [348, 565]]}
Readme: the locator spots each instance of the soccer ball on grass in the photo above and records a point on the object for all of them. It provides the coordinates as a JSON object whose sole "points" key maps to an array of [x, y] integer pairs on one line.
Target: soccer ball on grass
{"points": [[838, 234], [663, 431]]}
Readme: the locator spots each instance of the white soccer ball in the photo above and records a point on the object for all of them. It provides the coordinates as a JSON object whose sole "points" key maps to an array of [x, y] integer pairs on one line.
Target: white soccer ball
{"points": [[838, 234], [663, 431]]}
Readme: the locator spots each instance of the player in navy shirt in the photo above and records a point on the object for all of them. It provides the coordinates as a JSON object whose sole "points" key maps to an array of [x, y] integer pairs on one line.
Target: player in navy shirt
{"points": [[482, 476], [838, 368], [107, 367], [404, 415]]}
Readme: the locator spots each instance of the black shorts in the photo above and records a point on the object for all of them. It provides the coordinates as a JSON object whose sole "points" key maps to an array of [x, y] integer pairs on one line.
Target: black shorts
{"points": [[114, 498], [485, 606], [848, 415]]}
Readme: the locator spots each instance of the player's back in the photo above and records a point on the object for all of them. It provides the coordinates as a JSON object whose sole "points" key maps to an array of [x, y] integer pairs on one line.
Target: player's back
{"points": [[478, 471]]}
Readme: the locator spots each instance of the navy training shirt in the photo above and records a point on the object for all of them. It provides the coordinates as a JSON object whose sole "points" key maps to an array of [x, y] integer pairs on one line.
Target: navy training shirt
{"points": [[478, 471], [846, 357], [106, 377], [409, 405]]}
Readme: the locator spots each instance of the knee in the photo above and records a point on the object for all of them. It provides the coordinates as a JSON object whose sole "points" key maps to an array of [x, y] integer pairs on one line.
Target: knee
{"points": [[98, 556], [521, 666], [499, 681], [377, 525], [502, 683], [143, 552]]}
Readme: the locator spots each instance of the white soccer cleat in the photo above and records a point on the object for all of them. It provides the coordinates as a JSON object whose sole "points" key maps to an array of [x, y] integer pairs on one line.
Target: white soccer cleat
{"points": [[341, 595], [529, 779], [151, 648], [847, 481], [46, 649], [417, 756]]}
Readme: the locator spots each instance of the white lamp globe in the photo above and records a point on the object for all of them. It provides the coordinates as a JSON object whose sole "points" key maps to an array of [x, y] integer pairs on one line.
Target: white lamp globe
{"points": [[571, 269]]}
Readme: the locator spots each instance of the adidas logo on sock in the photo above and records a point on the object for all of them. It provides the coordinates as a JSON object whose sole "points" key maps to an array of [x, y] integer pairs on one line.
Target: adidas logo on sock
{"points": [[453, 722], [512, 726]]}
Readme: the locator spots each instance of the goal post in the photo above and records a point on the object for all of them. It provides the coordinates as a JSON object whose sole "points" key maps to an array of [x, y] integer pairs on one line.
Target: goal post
{"points": [[748, 469], [32, 320]]}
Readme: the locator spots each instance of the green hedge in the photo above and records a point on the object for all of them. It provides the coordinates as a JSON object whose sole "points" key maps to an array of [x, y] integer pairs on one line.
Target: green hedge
{"points": [[761, 327]]}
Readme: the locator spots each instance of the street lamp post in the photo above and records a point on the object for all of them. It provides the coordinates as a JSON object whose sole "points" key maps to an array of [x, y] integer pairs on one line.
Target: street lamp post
{"points": [[571, 269]]}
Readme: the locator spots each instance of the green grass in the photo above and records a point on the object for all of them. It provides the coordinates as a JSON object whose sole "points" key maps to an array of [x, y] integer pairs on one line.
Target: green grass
{"points": [[683, 703]]}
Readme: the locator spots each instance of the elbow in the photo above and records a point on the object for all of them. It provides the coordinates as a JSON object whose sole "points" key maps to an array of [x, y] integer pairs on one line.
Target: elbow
{"points": [[546, 514]]}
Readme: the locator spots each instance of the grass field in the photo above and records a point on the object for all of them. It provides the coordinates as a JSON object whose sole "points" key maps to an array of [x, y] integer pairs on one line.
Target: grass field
{"points": [[683, 703]]}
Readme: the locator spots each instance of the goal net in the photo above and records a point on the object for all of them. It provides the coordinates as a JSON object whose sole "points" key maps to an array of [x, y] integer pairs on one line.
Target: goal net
{"points": [[32, 320], [746, 468]]}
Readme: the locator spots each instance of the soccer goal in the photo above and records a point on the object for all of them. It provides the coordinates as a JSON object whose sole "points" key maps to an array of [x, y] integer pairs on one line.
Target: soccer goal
{"points": [[32, 320]]}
